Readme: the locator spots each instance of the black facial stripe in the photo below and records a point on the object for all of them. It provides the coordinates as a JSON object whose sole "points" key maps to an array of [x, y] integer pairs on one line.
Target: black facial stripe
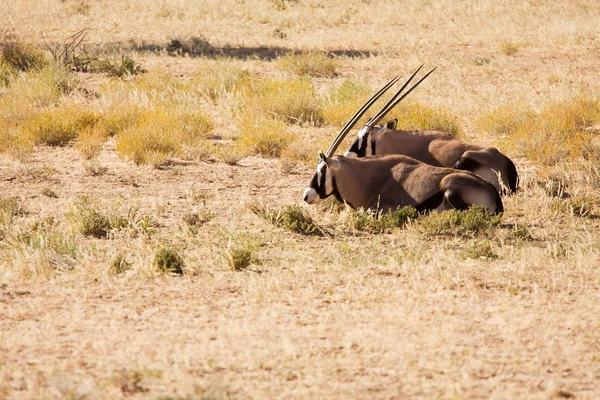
{"points": [[323, 180]]}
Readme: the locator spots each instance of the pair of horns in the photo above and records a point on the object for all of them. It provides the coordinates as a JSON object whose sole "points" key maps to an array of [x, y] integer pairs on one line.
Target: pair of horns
{"points": [[396, 98]]}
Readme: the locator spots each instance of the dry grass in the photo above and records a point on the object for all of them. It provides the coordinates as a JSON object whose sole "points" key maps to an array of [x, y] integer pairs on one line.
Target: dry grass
{"points": [[452, 305]]}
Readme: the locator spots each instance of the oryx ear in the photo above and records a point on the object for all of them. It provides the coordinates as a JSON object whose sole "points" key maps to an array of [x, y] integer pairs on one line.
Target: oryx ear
{"points": [[391, 125], [333, 164]]}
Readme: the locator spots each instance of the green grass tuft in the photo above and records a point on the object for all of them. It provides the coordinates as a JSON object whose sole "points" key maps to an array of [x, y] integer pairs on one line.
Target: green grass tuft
{"points": [[455, 222], [369, 221], [169, 261]]}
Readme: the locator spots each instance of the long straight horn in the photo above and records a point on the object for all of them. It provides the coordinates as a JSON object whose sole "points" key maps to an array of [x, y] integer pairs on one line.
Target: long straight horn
{"points": [[391, 104], [350, 124], [373, 121]]}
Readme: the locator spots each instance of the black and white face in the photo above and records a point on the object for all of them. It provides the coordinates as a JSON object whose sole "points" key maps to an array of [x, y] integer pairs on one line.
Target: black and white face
{"points": [[321, 185], [366, 140], [362, 145]]}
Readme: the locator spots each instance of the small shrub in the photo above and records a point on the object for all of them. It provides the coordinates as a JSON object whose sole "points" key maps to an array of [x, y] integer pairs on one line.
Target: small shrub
{"points": [[241, 252], [21, 56], [194, 46], [231, 155], [94, 168], [309, 63], [413, 116], [263, 135], [168, 261], [378, 222], [196, 220], [509, 48], [292, 101], [343, 101], [453, 222], [59, 127], [481, 250], [119, 264]]}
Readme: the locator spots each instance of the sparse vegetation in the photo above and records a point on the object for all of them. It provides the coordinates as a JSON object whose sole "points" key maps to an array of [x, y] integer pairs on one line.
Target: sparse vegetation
{"points": [[353, 309], [87, 217]]}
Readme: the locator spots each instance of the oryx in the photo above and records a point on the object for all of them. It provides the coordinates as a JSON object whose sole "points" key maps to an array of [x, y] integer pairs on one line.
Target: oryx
{"points": [[387, 182], [432, 147]]}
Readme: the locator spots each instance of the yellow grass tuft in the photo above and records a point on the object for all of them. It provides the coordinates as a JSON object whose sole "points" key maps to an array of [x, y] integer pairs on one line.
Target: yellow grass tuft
{"points": [[90, 141], [292, 101], [58, 127], [214, 80], [309, 63], [412, 116], [263, 135], [161, 133], [509, 48]]}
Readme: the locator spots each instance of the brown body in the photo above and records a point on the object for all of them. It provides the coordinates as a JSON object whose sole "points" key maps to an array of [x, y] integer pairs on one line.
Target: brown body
{"points": [[438, 149], [388, 182]]}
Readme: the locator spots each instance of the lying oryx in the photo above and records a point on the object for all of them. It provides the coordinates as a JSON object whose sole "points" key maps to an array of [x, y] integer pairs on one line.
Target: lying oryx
{"points": [[385, 183], [433, 147], [388, 182]]}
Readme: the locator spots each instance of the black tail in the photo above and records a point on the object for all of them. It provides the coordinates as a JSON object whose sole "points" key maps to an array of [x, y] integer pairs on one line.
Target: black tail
{"points": [[513, 176], [499, 205], [431, 203]]}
